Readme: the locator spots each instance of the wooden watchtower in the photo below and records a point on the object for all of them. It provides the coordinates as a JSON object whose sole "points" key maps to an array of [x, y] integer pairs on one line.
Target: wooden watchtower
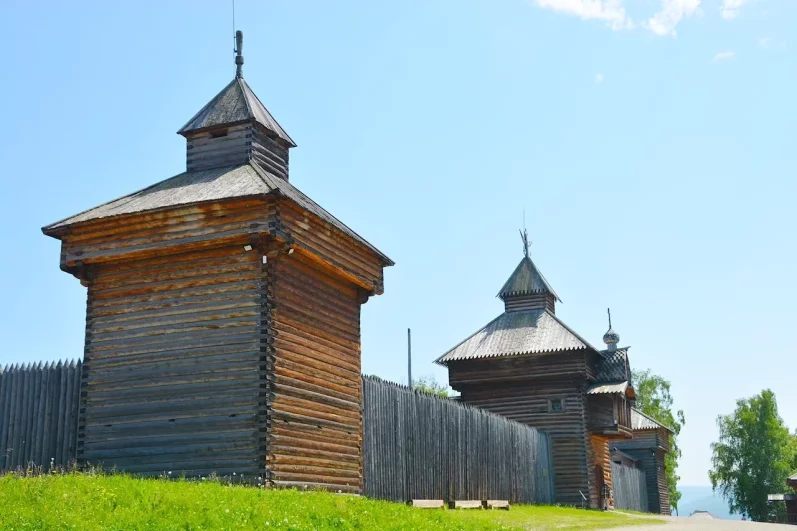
{"points": [[529, 366], [223, 314]]}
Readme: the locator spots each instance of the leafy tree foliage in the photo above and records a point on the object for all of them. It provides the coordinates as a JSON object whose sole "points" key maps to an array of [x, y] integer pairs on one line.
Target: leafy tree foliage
{"points": [[654, 399], [753, 457], [428, 384]]}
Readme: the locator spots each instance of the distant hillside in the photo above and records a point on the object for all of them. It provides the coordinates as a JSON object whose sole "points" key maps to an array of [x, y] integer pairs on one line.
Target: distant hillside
{"points": [[700, 498]]}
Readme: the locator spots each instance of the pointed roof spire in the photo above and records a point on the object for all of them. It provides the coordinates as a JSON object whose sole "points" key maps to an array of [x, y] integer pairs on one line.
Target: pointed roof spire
{"points": [[235, 104], [526, 279]]}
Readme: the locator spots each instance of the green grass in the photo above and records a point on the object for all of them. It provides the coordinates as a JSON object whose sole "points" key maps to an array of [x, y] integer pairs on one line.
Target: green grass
{"points": [[88, 502]]}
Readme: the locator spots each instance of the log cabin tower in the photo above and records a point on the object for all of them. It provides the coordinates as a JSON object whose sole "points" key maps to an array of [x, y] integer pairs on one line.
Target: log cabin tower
{"points": [[529, 366], [223, 314]]}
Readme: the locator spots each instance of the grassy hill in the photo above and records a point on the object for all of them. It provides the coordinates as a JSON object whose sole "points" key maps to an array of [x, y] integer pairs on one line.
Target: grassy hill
{"points": [[89, 502]]}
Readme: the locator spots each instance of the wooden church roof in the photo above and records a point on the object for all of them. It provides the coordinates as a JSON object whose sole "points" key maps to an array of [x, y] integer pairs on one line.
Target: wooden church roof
{"points": [[516, 333], [236, 103]]}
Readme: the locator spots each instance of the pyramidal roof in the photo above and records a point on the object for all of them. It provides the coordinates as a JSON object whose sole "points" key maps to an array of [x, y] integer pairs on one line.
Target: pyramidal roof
{"points": [[526, 279], [236, 103], [517, 333]]}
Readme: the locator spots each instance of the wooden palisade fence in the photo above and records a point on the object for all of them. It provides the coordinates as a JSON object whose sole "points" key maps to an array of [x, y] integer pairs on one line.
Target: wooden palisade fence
{"points": [[630, 488], [415, 445], [38, 414], [418, 446]]}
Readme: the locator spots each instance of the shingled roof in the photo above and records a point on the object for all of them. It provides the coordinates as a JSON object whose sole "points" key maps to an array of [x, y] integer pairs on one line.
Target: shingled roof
{"points": [[525, 280], [516, 333], [236, 103], [244, 180], [613, 366], [640, 421]]}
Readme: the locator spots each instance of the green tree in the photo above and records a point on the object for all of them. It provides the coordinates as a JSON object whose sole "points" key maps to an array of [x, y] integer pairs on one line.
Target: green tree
{"points": [[428, 384], [654, 399], [753, 456]]}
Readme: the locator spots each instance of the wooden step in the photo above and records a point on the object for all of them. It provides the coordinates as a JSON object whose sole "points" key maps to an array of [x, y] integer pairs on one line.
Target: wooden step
{"points": [[465, 504], [497, 504], [428, 504]]}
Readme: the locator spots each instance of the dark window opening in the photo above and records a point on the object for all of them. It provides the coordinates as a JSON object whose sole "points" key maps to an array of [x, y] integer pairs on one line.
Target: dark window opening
{"points": [[556, 404], [218, 134]]}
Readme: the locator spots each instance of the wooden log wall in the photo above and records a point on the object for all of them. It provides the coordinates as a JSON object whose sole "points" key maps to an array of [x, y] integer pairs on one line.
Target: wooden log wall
{"points": [[181, 229], [269, 153], [38, 414], [315, 421], [337, 249], [630, 488], [503, 386], [600, 458], [172, 374], [417, 446], [222, 147], [601, 411]]}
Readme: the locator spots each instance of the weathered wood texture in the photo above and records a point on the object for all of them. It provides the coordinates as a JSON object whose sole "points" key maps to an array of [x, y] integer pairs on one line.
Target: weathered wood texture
{"points": [[600, 459], [348, 258], [521, 388], [315, 431], [530, 301], [174, 230], [38, 414], [417, 446], [172, 373], [630, 488], [236, 144], [650, 448]]}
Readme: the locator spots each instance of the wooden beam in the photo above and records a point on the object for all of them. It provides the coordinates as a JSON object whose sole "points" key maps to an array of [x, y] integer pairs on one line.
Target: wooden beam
{"points": [[465, 504], [428, 504], [496, 504]]}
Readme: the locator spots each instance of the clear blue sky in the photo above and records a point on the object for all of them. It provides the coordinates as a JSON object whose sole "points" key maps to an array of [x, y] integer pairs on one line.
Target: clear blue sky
{"points": [[652, 148]]}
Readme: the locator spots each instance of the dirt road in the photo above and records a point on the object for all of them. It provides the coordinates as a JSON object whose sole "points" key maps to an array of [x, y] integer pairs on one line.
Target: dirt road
{"points": [[710, 524]]}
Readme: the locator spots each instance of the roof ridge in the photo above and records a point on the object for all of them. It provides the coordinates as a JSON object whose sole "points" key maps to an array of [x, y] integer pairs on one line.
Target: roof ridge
{"points": [[280, 183], [587, 343], [249, 109], [281, 132]]}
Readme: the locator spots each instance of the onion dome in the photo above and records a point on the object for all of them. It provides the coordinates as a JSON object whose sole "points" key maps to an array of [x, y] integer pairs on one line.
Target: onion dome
{"points": [[611, 337]]}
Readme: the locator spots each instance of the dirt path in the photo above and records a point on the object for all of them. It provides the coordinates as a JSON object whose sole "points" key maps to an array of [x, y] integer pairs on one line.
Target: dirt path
{"points": [[709, 524]]}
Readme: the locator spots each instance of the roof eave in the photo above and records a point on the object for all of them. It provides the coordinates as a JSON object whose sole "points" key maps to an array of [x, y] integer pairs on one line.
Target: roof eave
{"points": [[442, 362], [59, 228], [187, 132]]}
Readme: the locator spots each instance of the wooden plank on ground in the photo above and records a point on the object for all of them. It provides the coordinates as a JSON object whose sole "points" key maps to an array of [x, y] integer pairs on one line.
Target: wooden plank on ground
{"points": [[428, 504], [465, 504], [496, 504]]}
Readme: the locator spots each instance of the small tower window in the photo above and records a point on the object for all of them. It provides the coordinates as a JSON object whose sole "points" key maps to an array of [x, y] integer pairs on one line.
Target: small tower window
{"points": [[218, 134], [556, 404]]}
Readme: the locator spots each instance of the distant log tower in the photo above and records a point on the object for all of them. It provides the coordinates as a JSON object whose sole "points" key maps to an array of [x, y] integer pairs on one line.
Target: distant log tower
{"points": [[223, 314]]}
